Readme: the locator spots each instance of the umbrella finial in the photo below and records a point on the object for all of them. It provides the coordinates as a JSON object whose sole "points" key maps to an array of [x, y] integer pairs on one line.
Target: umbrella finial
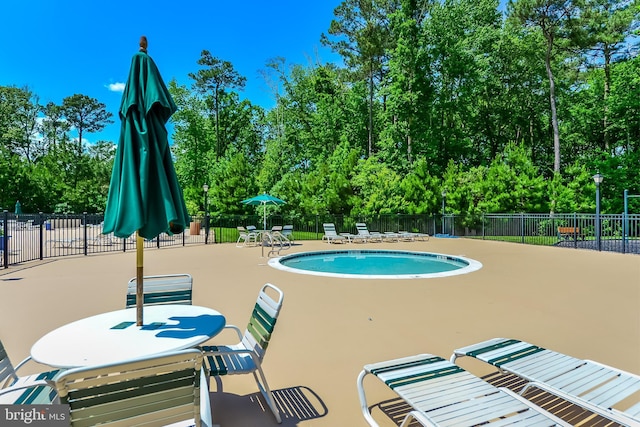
{"points": [[143, 44]]}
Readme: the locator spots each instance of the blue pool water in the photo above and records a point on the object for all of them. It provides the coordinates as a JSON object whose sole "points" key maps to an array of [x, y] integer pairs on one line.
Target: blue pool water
{"points": [[375, 264]]}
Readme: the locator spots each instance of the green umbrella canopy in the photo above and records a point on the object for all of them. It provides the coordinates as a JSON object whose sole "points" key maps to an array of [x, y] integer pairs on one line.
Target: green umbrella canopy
{"points": [[264, 199], [144, 194]]}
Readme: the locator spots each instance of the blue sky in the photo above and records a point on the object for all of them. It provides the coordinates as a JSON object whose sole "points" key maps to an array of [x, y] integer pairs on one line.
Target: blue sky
{"points": [[59, 48]]}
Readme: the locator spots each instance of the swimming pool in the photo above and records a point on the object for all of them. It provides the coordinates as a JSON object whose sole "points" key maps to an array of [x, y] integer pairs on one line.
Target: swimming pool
{"points": [[375, 264]]}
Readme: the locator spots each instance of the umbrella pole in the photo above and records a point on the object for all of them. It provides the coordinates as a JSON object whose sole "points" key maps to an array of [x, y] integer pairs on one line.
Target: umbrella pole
{"points": [[139, 277]]}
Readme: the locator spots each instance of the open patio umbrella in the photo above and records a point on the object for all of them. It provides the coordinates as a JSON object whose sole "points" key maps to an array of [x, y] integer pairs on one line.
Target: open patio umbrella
{"points": [[144, 194], [264, 199]]}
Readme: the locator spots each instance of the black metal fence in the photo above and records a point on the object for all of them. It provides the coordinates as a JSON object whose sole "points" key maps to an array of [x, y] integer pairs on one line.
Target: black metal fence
{"points": [[30, 237], [614, 233]]}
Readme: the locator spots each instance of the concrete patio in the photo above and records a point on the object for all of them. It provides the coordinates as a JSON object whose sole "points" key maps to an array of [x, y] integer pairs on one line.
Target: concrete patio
{"points": [[583, 303]]}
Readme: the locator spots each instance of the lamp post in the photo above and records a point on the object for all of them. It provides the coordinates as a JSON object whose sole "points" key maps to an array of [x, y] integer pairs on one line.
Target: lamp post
{"points": [[597, 178], [206, 213], [444, 198]]}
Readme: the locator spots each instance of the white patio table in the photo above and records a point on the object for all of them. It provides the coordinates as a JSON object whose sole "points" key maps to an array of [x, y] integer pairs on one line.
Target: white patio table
{"points": [[113, 336]]}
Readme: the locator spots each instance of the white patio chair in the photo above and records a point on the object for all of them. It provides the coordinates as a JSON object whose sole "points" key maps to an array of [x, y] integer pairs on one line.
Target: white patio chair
{"points": [[246, 356], [28, 389], [170, 388], [162, 289]]}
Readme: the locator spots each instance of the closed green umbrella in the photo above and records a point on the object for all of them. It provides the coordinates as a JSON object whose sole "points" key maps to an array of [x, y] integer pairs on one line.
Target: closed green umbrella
{"points": [[144, 194], [18, 208]]}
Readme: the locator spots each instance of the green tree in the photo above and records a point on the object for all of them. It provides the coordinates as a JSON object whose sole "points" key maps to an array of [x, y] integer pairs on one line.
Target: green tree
{"points": [[19, 109], [377, 189], [192, 137], [409, 89], [605, 26], [361, 36], [86, 115], [624, 107], [232, 180], [54, 128], [214, 80], [553, 19], [420, 190]]}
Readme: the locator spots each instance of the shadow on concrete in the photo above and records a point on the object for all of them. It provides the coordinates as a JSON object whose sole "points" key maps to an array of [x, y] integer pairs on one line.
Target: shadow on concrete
{"points": [[295, 404]]}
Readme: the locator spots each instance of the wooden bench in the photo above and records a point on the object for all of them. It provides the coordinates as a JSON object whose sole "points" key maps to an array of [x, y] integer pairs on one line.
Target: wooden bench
{"points": [[570, 233]]}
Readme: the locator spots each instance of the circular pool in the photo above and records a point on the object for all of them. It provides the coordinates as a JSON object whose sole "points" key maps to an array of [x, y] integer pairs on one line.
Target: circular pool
{"points": [[375, 264]]}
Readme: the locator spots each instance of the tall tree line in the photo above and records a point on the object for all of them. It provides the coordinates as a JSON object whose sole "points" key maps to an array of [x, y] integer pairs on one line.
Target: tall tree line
{"points": [[508, 111], [41, 164]]}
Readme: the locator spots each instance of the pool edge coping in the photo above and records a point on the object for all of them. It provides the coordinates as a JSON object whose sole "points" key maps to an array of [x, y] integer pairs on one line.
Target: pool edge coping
{"points": [[472, 265]]}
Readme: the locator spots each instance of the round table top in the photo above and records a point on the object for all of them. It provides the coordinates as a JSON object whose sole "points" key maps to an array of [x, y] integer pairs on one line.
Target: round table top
{"points": [[113, 336]]}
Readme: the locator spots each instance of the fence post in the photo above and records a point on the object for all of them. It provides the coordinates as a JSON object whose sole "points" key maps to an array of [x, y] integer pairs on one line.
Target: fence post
{"points": [[625, 225], [206, 229], [575, 224], [522, 227], [84, 220], [42, 227], [5, 238]]}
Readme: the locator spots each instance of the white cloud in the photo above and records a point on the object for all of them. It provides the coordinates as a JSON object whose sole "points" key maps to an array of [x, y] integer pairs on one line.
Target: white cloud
{"points": [[116, 87]]}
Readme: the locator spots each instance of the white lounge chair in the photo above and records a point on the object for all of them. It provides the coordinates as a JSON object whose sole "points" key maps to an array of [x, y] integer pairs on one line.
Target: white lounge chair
{"points": [[162, 289], [590, 385], [246, 237], [287, 231], [369, 236], [246, 356], [28, 389], [409, 235], [276, 239], [331, 235], [443, 394]]}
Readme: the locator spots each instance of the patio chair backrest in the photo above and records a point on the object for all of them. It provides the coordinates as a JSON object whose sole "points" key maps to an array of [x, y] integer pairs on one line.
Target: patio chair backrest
{"points": [[263, 320], [156, 390], [362, 229], [7, 371], [287, 231], [329, 229], [162, 289]]}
